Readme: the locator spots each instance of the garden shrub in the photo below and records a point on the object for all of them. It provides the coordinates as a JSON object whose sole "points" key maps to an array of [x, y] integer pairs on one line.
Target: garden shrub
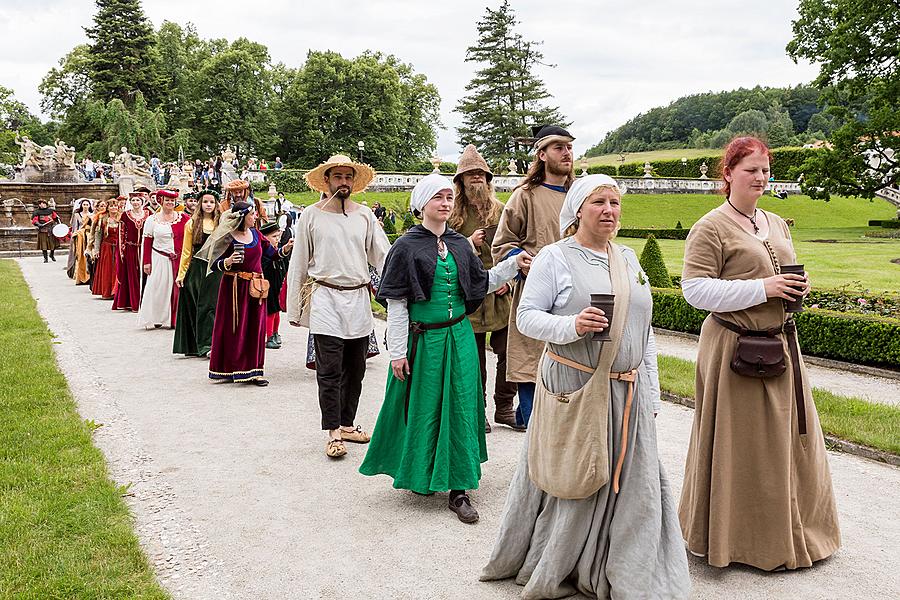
{"points": [[653, 265], [860, 339], [288, 181], [392, 237], [602, 170], [408, 221], [660, 234], [389, 227]]}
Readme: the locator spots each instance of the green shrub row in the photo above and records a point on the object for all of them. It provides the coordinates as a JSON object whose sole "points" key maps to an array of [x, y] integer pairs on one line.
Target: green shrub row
{"points": [[883, 234], [288, 181], [786, 163], [661, 234], [860, 339]]}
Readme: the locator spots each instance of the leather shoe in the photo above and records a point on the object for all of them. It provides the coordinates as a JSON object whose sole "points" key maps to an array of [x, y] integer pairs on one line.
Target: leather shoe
{"points": [[487, 426], [259, 382], [462, 506], [509, 421]]}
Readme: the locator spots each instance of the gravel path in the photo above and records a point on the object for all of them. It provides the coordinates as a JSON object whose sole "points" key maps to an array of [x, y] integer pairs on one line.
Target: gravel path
{"points": [[846, 383], [233, 496]]}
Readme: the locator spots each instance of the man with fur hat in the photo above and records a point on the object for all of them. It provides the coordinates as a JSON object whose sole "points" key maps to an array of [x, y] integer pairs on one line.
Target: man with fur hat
{"points": [[476, 213], [530, 221], [328, 290]]}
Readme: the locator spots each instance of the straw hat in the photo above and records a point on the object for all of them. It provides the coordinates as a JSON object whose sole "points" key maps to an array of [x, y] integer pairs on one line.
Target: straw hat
{"points": [[471, 160], [236, 185], [363, 174]]}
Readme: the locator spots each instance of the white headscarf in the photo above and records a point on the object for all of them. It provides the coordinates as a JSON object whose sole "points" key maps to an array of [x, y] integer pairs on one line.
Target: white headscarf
{"points": [[425, 190], [578, 193]]}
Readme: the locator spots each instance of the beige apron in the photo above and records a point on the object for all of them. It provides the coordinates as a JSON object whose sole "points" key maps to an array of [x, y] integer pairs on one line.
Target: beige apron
{"points": [[568, 447]]}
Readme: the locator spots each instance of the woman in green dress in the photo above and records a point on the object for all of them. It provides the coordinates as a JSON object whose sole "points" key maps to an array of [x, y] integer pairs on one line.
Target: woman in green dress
{"points": [[429, 436]]}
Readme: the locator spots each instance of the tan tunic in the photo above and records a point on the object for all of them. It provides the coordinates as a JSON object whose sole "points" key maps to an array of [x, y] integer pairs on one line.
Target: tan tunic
{"points": [[493, 314], [755, 490], [530, 221]]}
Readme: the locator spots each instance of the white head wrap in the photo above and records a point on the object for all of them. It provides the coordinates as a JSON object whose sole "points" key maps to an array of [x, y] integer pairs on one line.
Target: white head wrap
{"points": [[427, 187], [578, 193]]}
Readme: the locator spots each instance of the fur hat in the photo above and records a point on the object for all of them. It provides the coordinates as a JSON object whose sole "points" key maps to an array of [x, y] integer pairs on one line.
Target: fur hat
{"points": [[471, 160], [362, 174]]}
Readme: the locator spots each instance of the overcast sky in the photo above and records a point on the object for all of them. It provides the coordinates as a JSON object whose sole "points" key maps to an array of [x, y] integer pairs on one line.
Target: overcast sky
{"points": [[614, 59]]}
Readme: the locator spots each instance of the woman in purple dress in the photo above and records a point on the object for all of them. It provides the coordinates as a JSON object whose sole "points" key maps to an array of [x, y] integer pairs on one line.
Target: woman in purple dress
{"points": [[239, 331]]}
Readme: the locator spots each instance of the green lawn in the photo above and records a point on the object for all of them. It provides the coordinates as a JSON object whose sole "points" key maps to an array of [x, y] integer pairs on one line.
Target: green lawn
{"points": [[65, 531], [853, 258], [633, 157], [851, 419]]}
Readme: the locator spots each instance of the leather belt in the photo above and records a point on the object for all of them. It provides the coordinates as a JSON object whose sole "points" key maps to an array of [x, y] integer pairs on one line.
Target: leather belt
{"points": [[238, 275], [627, 376], [417, 329], [342, 288]]}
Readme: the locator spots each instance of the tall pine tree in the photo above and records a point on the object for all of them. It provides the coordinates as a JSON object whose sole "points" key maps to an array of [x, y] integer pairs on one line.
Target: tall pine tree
{"points": [[505, 97], [121, 51]]}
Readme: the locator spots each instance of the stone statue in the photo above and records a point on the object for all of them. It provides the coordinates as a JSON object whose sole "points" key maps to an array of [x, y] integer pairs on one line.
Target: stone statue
{"points": [[436, 163], [228, 154], [703, 170], [65, 155], [648, 169], [513, 168], [131, 164], [31, 152]]}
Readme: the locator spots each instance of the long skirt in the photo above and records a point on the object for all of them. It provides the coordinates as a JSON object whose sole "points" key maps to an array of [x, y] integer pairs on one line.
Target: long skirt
{"points": [[196, 310], [104, 284], [47, 241], [238, 350], [160, 298], [82, 272], [128, 275], [625, 545], [441, 445]]}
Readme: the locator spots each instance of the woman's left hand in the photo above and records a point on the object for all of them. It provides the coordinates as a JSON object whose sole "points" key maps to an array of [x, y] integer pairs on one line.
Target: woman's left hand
{"points": [[400, 368], [808, 285]]}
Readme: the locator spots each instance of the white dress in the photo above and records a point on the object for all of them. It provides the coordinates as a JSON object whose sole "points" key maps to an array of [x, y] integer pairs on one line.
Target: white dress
{"points": [[156, 301]]}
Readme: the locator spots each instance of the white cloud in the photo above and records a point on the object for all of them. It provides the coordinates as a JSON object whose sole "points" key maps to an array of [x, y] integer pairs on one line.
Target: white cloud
{"points": [[614, 59]]}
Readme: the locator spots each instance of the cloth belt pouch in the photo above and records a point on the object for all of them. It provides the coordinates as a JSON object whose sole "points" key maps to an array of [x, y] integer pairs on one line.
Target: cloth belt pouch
{"points": [[757, 354], [568, 444]]}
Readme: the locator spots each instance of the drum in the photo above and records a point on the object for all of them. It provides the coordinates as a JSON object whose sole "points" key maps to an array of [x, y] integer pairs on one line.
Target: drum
{"points": [[60, 230]]}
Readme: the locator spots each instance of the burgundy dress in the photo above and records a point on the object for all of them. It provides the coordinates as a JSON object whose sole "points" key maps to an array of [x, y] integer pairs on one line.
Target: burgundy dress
{"points": [[128, 269], [104, 284], [239, 331]]}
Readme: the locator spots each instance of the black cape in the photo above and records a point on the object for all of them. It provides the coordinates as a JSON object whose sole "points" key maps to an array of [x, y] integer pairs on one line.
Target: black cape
{"points": [[410, 264]]}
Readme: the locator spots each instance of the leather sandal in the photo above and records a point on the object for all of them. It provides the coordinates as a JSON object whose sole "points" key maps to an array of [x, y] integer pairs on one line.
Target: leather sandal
{"points": [[357, 436], [335, 448], [462, 506]]}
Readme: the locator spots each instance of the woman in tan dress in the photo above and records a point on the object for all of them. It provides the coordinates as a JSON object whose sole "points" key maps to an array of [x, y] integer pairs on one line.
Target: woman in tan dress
{"points": [[757, 486]]}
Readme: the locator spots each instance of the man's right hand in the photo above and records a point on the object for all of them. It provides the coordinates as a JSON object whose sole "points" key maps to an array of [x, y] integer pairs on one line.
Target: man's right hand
{"points": [[477, 238]]}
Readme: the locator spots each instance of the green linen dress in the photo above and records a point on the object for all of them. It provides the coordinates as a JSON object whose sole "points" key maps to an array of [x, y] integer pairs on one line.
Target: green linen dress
{"points": [[442, 445]]}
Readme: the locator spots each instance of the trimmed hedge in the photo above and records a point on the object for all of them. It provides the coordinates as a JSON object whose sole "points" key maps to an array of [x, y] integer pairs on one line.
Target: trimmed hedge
{"points": [[660, 234], [654, 266], [392, 237], [288, 181], [785, 164], [602, 170], [860, 339]]}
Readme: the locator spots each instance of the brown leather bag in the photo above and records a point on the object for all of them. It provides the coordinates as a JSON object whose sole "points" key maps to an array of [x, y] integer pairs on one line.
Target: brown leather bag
{"points": [[758, 354], [259, 288]]}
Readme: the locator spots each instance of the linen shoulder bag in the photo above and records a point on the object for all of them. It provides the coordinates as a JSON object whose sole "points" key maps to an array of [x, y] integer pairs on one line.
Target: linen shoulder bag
{"points": [[568, 444]]}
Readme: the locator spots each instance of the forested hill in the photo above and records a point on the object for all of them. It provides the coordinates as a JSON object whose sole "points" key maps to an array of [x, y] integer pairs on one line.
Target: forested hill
{"points": [[785, 116]]}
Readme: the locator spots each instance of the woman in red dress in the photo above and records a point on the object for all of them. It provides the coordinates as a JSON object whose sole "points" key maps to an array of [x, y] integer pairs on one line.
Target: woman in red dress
{"points": [[239, 331], [105, 231], [128, 270]]}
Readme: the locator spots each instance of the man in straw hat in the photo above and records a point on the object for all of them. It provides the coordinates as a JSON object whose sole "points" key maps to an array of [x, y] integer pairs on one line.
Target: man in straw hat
{"points": [[328, 290], [475, 215], [530, 221]]}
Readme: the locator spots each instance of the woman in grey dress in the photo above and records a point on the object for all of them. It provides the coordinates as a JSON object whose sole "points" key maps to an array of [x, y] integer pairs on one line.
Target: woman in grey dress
{"points": [[589, 508]]}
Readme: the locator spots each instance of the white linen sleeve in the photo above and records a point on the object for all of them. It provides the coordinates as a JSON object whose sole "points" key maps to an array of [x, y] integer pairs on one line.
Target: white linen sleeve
{"points": [[723, 295], [397, 328], [502, 273], [548, 284], [650, 364]]}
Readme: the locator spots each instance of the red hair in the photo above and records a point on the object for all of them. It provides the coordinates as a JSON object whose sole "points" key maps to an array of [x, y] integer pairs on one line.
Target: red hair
{"points": [[739, 149]]}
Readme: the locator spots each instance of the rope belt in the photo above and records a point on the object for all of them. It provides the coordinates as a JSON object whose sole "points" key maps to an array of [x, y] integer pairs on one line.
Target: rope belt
{"points": [[628, 376], [235, 275], [417, 329]]}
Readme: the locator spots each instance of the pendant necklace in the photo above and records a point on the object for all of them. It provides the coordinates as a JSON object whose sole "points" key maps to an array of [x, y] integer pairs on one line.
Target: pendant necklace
{"points": [[751, 217]]}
